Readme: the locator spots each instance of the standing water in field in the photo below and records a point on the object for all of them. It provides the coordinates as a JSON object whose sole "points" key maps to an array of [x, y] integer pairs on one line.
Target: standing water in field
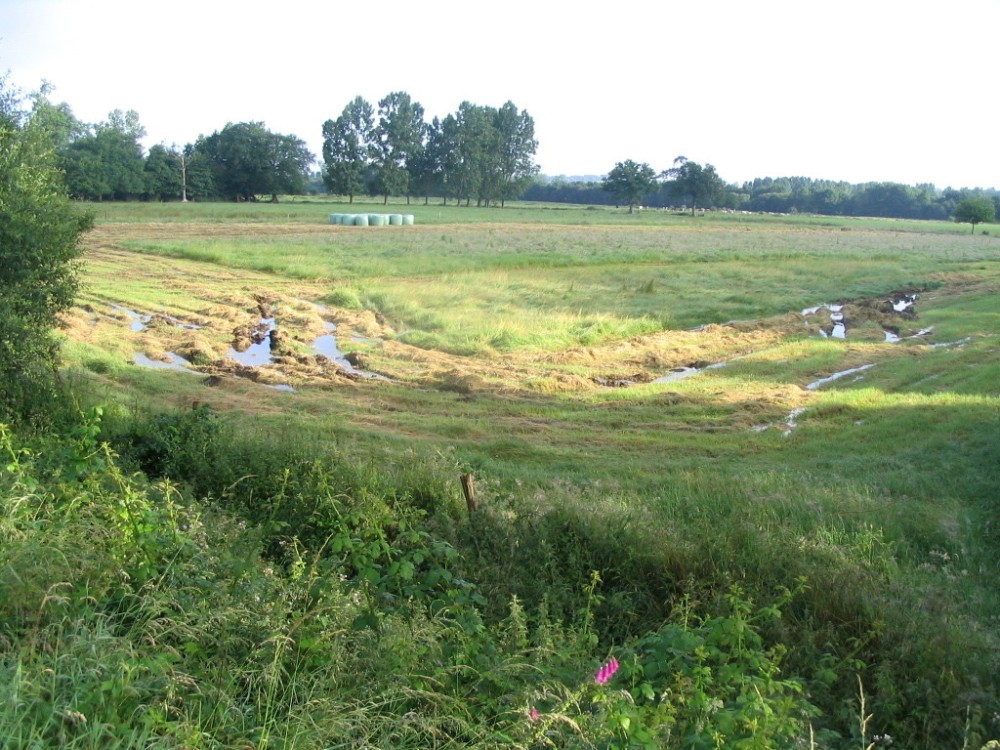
{"points": [[258, 352], [172, 362], [836, 376], [326, 345], [681, 373]]}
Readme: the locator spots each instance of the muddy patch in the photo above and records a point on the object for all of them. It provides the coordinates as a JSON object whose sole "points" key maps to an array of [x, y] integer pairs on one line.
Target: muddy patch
{"points": [[139, 322], [252, 344], [622, 381], [836, 319]]}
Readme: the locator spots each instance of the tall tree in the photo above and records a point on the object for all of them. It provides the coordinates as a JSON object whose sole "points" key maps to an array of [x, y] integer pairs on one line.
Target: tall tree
{"points": [[163, 173], [107, 162], [426, 167], [975, 211], [688, 179], [630, 182], [517, 146], [39, 243], [347, 149], [398, 140], [470, 170], [250, 161]]}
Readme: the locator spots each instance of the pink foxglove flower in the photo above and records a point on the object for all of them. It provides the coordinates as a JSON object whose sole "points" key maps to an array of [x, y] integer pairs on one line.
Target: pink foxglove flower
{"points": [[606, 672], [533, 714]]}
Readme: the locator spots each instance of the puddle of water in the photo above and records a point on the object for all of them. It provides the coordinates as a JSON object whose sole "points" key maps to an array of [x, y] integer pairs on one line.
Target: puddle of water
{"points": [[903, 303], [786, 427], [680, 373], [791, 420], [284, 388], [176, 362], [949, 344], [677, 374], [836, 376], [326, 345], [138, 322], [839, 330], [259, 352], [891, 338]]}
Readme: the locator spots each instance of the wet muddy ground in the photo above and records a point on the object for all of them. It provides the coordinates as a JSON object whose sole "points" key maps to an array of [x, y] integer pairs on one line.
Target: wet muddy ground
{"points": [[225, 323]]}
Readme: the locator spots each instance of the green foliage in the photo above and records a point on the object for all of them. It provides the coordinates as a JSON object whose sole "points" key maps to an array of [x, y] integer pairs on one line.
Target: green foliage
{"points": [[975, 211], [347, 148], [630, 182], [107, 163], [248, 161], [688, 179], [39, 235]]}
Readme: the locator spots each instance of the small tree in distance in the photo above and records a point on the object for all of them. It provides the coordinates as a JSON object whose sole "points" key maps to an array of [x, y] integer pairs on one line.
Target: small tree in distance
{"points": [[630, 182], [975, 211], [688, 179]]}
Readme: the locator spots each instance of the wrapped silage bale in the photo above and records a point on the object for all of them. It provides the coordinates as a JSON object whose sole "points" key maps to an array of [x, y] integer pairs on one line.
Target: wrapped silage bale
{"points": [[361, 220], [335, 218], [395, 220], [407, 219], [376, 220]]}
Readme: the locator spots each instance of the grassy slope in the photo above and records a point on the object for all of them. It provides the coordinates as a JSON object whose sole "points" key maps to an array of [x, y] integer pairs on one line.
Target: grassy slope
{"points": [[493, 324]]}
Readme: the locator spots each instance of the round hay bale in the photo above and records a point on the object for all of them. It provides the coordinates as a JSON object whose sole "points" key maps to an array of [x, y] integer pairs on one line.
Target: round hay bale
{"points": [[407, 219], [361, 220]]}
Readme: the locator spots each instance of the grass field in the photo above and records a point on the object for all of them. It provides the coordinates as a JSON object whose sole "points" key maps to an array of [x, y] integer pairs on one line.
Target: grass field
{"points": [[642, 395]]}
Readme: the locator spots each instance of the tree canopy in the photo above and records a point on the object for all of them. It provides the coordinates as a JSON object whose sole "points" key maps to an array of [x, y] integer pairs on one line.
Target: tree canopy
{"points": [[975, 211], [39, 235], [248, 161], [630, 182], [688, 179], [477, 153], [347, 148]]}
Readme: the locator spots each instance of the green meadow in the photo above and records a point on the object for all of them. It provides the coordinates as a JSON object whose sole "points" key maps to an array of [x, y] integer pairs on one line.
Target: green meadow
{"points": [[787, 537]]}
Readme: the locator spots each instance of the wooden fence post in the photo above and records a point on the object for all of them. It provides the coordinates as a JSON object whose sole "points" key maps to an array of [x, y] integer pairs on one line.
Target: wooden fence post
{"points": [[469, 490]]}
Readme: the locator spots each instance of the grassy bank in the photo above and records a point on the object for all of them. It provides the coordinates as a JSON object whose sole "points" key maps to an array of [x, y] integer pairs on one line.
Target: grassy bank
{"points": [[523, 347]]}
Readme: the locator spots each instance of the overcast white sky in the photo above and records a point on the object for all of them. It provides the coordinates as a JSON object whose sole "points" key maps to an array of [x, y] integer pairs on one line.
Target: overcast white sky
{"points": [[855, 90]]}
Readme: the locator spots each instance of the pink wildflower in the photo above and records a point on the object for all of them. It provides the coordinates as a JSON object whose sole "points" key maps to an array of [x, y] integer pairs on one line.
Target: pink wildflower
{"points": [[606, 672], [533, 714]]}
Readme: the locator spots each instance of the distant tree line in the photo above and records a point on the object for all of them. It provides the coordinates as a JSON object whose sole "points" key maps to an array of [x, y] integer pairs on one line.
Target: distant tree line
{"points": [[105, 161], [479, 153], [786, 195]]}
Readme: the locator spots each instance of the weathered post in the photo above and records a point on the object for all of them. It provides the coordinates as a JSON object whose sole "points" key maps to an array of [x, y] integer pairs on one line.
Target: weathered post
{"points": [[469, 490]]}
